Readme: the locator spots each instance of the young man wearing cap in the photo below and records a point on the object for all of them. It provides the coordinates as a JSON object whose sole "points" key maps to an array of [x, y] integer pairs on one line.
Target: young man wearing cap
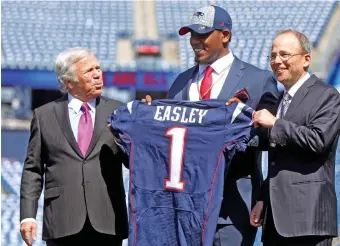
{"points": [[219, 74]]}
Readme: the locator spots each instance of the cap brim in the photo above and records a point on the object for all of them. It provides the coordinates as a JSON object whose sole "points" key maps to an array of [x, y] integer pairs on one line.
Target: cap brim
{"points": [[196, 28]]}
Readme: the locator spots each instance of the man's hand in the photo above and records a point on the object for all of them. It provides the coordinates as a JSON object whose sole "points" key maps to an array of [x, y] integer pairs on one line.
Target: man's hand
{"points": [[233, 100], [116, 139], [147, 99], [264, 118], [256, 215], [110, 128], [28, 229]]}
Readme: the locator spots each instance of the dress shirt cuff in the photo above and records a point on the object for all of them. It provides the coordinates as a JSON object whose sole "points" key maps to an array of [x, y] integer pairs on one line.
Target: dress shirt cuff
{"points": [[28, 220], [118, 143]]}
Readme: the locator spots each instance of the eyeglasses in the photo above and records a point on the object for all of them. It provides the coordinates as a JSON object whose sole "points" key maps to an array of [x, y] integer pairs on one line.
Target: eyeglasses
{"points": [[283, 56]]}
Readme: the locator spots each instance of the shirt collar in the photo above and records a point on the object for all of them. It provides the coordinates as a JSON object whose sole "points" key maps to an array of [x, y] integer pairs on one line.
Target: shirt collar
{"points": [[219, 65], [298, 84], [75, 104]]}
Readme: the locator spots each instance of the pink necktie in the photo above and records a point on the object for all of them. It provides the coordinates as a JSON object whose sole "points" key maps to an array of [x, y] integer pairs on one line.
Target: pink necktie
{"points": [[85, 129], [206, 85]]}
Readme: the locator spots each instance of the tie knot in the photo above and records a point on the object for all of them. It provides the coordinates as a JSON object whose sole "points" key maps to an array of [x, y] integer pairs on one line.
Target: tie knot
{"points": [[286, 96], [85, 108], [209, 70]]}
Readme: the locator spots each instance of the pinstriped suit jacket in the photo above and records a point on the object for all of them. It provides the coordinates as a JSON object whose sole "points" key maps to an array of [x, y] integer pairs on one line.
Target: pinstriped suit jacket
{"points": [[301, 170], [76, 186]]}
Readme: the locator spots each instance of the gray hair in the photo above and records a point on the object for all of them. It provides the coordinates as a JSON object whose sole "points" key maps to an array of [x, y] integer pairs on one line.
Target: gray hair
{"points": [[302, 38], [64, 65]]}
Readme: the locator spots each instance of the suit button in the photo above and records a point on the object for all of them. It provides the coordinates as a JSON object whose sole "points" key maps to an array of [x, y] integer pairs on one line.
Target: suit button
{"points": [[272, 163], [84, 162], [82, 184]]}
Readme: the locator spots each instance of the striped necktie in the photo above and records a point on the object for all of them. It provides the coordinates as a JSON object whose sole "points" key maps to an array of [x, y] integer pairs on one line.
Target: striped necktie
{"points": [[285, 104]]}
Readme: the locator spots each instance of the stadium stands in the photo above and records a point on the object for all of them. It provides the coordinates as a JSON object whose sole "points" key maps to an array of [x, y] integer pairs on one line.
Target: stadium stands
{"points": [[34, 32], [254, 24], [10, 176]]}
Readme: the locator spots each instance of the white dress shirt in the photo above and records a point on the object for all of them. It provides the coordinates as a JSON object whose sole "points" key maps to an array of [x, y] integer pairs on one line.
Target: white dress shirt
{"points": [[74, 113], [221, 69], [292, 91]]}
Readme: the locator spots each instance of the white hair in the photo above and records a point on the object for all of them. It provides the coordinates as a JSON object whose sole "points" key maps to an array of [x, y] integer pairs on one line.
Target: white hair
{"points": [[64, 65]]}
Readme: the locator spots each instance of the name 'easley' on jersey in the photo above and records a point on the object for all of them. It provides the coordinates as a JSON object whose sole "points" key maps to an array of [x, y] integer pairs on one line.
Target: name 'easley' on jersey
{"points": [[179, 114]]}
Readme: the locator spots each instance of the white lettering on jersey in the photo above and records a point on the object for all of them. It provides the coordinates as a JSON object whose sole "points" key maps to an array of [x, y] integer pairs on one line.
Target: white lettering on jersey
{"points": [[176, 115], [158, 113], [179, 114]]}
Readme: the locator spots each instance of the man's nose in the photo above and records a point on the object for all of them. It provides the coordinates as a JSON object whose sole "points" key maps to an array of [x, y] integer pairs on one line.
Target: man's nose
{"points": [[96, 74]]}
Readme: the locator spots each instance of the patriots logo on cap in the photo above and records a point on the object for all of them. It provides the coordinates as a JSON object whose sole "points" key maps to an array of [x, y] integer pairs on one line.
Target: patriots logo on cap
{"points": [[202, 27], [199, 15]]}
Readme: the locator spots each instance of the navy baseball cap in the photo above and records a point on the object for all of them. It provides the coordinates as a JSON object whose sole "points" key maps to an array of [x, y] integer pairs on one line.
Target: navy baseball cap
{"points": [[208, 19]]}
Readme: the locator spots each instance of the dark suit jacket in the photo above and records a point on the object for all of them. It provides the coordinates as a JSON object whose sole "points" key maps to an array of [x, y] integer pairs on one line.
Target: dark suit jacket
{"points": [[301, 170], [244, 178], [75, 186]]}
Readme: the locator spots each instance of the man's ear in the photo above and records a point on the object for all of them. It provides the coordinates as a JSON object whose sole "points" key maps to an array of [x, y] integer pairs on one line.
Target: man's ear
{"points": [[307, 61], [226, 36], [68, 83]]}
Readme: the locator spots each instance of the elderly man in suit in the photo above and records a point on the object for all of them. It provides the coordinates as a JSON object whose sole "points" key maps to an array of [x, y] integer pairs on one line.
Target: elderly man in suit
{"points": [[299, 193], [220, 75], [73, 154]]}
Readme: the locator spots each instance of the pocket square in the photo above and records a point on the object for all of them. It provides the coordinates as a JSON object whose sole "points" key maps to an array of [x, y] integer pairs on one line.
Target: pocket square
{"points": [[242, 95]]}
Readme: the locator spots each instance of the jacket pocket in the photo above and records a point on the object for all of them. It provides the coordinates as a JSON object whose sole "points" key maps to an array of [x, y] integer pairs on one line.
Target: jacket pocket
{"points": [[51, 193]]}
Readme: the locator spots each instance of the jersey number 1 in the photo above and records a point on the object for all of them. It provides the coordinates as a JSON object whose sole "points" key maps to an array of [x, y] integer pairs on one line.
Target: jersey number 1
{"points": [[177, 145]]}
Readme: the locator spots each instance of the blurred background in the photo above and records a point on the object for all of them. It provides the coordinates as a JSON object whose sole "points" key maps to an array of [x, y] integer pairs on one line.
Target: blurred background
{"points": [[140, 52]]}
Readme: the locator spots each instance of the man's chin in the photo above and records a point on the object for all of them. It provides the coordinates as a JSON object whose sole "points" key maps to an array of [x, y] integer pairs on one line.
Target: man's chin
{"points": [[94, 94], [98, 92], [200, 60]]}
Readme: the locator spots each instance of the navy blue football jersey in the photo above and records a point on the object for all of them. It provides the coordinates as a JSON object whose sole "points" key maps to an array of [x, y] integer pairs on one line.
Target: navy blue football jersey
{"points": [[178, 153]]}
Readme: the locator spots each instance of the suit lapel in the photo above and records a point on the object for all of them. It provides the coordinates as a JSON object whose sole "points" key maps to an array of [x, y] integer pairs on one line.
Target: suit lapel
{"points": [[61, 111], [298, 97], [100, 123], [192, 75], [233, 78]]}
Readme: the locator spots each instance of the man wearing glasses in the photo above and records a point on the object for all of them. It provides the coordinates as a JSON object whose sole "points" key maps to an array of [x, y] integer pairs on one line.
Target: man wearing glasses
{"points": [[299, 193]]}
